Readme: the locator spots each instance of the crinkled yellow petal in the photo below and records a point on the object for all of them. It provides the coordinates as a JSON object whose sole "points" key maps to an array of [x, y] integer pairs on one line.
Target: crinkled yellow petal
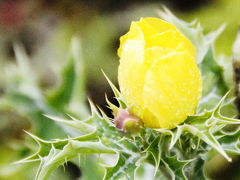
{"points": [[158, 75], [134, 33], [171, 92], [152, 26], [157, 32], [165, 40], [132, 72]]}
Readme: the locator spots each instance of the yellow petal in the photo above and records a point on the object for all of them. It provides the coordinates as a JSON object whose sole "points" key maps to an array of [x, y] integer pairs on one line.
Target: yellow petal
{"points": [[171, 39], [171, 90], [152, 26], [132, 73], [158, 75], [134, 33]]}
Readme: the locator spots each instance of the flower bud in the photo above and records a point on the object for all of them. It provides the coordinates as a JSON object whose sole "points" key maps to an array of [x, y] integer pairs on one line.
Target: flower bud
{"points": [[158, 75], [126, 122]]}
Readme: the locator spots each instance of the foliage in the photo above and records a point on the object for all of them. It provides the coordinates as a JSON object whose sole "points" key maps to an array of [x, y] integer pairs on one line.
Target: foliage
{"points": [[180, 153]]}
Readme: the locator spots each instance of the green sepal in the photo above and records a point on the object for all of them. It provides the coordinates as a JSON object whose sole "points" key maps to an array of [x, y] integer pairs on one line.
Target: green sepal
{"points": [[118, 95]]}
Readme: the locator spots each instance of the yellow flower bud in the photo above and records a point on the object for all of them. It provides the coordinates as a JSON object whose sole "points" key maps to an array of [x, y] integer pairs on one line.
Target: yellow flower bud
{"points": [[158, 74]]}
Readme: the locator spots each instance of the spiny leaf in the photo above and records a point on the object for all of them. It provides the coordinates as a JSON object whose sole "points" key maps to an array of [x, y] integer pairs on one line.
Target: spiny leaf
{"points": [[103, 123], [204, 126], [155, 150], [104, 126], [45, 146], [198, 172], [220, 117], [71, 150], [175, 167], [231, 142], [125, 167], [204, 133], [77, 124]]}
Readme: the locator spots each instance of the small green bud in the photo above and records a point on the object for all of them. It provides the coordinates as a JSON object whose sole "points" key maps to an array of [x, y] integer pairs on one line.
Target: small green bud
{"points": [[127, 122]]}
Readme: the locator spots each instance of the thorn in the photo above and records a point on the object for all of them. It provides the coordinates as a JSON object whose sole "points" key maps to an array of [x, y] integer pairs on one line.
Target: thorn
{"points": [[114, 89], [25, 160], [93, 108], [219, 105], [73, 118], [37, 139], [54, 118]]}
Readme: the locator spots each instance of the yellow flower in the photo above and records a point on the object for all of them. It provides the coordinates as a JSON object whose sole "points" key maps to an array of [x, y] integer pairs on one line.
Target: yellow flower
{"points": [[158, 74]]}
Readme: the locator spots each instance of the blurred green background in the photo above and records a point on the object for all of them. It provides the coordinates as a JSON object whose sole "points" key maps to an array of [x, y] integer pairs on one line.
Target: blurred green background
{"points": [[43, 30]]}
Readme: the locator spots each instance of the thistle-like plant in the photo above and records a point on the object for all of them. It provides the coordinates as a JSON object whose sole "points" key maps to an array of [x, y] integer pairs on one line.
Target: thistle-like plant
{"points": [[177, 149]]}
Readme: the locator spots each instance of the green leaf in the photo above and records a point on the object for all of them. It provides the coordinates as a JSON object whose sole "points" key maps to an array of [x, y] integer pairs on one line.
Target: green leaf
{"points": [[57, 157], [28, 80], [155, 150], [77, 104], [33, 109], [61, 96], [169, 150], [125, 167], [175, 167], [198, 171], [104, 126], [44, 146], [230, 142], [204, 126], [70, 94], [77, 124], [214, 86]]}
